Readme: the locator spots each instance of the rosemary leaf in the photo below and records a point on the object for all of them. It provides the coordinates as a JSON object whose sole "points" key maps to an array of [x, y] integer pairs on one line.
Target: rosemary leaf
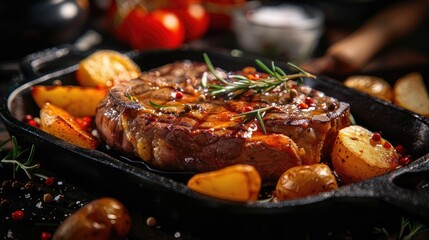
{"points": [[261, 122], [279, 70], [212, 70], [155, 104], [16, 154], [257, 113], [264, 67]]}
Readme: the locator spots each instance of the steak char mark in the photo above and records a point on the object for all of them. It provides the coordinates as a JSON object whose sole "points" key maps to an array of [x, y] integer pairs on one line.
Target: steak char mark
{"points": [[167, 119]]}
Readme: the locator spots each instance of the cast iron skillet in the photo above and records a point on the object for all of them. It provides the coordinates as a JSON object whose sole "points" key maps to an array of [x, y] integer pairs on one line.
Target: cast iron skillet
{"points": [[403, 191]]}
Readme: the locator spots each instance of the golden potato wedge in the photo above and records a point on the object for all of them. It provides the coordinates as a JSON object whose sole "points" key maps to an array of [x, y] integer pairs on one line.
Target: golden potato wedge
{"points": [[372, 85], [411, 93], [240, 182], [101, 219], [106, 68], [76, 100], [305, 180], [356, 156], [61, 124]]}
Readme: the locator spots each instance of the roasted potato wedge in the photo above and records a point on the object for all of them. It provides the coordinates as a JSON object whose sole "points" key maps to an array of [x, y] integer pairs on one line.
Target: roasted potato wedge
{"points": [[411, 93], [76, 100], [101, 219], [61, 124], [372, 85], [358, 155], [301, 181], [106, 68], [240, 182]]}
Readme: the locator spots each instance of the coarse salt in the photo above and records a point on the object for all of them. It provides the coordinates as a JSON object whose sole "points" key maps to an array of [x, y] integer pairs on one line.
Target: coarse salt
{"points": [[280, 16]]}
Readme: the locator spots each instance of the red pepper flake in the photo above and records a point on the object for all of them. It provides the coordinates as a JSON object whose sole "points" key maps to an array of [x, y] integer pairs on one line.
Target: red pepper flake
{"points": [[405, 160], [387, 145], [18, 215], [49, 181], [45, 236], [309, 101], [247, 109], [376, 137], [401, 150], [303, 105]]}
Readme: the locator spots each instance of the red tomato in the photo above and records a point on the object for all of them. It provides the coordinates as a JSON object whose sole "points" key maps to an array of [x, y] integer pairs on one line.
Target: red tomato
{"points": [[158, 29], [195, 19], [220, 12]]}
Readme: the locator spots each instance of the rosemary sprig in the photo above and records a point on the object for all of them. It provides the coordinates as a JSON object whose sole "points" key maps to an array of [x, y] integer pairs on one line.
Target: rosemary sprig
{"points": [[277, 77], [14, 156], [408, 230], [257, 113], [241, 84]]}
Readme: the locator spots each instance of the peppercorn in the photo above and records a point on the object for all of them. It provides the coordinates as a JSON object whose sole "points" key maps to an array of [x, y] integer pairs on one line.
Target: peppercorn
{"points": [[18, 215], [293, 93], [16, 184], [309, 101], [47, 197], [5, 203], [376, 137], [49, 181], [387, 145], [405, 160], [29, 186], [151, 221], [178, 95], [401, 150], [45, 236], [6, 184]]}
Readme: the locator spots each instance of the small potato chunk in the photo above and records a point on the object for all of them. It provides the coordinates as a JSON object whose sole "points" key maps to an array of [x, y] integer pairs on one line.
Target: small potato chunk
{"points": [[372, 85], [106, 68], [76, 100], [61, 124], [240, 182], [305, 180], [356, 156], [101, 219], [411, 93]]}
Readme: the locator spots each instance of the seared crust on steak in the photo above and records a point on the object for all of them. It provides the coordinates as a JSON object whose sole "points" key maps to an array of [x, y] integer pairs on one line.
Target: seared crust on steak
{"points": [[194, 131]]}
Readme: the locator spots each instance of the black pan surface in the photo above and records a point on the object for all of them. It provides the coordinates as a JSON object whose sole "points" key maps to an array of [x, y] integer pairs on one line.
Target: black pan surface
{"points": [[404, 191]]}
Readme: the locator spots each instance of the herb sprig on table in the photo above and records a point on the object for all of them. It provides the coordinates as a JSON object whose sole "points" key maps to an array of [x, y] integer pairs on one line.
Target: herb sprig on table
{"points": [[22, 159], [409, 229]]}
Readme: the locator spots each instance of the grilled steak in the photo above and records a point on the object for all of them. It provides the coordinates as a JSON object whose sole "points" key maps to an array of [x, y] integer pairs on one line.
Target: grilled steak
{"points": [[167, 119]]}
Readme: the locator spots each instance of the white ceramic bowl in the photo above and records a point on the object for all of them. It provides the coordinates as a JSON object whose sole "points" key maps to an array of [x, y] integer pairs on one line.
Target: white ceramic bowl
{"points": [[285, 31]]}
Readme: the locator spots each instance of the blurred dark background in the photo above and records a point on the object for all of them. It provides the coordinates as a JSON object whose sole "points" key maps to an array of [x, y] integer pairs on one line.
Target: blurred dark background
{"points": [[32, 25]]}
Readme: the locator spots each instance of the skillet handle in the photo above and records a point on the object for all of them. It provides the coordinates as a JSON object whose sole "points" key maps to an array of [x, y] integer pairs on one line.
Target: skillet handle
{"points": [[48, 60], [406, 188]]}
